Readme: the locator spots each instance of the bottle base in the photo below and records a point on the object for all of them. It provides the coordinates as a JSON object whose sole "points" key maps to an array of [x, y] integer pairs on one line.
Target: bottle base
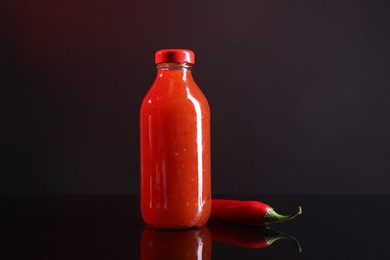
{"points": [[173, 228]]}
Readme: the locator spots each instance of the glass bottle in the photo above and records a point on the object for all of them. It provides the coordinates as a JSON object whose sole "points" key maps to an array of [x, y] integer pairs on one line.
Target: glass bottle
{"points": [[175, 146]]}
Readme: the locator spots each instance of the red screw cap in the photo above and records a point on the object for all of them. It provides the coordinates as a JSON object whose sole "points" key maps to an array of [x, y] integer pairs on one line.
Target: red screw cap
{"points": [[175, 55]]}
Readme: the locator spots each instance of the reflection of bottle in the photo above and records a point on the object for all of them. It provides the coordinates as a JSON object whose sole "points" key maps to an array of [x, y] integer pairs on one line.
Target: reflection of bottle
{"points": [[175, 146], [249, 236], [181, 244]]}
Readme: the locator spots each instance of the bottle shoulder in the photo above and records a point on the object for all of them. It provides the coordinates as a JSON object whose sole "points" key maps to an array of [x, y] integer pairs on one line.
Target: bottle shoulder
{"points": [[174, 94]]}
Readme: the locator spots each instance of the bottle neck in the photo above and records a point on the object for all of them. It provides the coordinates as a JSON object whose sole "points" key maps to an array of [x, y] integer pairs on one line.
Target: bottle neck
{"points": [[174, 66], [175, 70]]}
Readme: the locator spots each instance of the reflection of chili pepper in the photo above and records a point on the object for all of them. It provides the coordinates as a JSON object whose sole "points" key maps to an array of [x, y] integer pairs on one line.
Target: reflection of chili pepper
{"points": [[175, 244], [248, 236], [251, 212]]}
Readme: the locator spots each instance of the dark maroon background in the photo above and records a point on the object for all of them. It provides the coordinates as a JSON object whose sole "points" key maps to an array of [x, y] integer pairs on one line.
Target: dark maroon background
{"points": [[299, 92]]}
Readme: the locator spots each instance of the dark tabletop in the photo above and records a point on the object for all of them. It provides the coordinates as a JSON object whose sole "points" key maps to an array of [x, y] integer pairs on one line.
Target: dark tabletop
{"points": [[110, 227]]}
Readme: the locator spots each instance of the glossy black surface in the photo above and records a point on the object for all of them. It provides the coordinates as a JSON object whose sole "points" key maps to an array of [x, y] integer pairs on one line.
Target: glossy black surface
{"points": [[110, 227]]}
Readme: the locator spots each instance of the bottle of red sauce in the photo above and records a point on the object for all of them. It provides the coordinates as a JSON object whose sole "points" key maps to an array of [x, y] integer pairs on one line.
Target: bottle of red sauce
{"points": [[175, 146]]}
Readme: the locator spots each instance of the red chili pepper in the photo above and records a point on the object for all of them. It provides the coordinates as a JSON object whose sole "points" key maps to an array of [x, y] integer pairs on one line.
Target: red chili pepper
{"points": [[248, 212], [248, 236]]}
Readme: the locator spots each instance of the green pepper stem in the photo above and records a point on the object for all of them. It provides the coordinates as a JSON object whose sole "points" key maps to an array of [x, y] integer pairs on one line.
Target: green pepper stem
{"points": [[272, 236], [273, 217]]}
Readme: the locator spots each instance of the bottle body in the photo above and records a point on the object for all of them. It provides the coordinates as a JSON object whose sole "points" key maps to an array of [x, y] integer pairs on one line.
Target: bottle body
{"points": [[175, 151]]}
